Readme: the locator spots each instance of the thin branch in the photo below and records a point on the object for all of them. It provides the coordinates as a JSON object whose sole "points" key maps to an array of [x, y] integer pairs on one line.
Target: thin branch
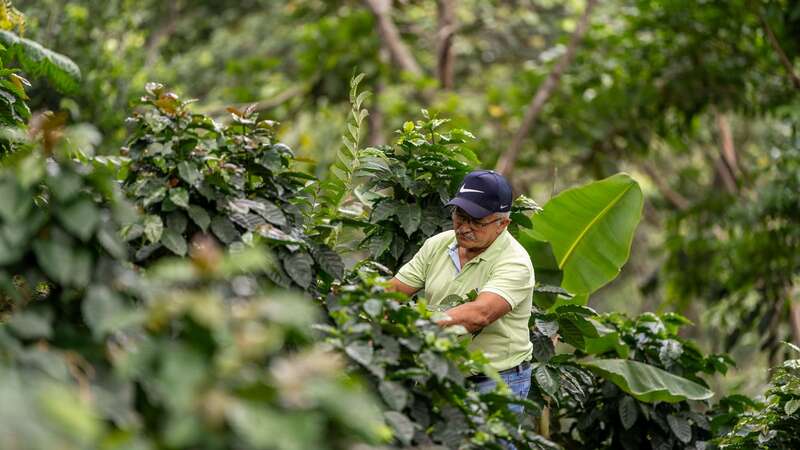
{"points": [[444, 43], [724, 173], [675, 198], [262, 105], [781, 54], [507, 161], [727, 146], [794, 311], [390, 36]]}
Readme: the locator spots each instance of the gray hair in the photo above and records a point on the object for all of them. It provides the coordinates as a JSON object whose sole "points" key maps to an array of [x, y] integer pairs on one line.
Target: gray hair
{"points": [[504, 215]]}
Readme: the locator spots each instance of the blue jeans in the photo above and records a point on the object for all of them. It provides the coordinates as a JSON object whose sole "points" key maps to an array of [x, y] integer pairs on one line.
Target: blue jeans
{"points": [[519, 381]]}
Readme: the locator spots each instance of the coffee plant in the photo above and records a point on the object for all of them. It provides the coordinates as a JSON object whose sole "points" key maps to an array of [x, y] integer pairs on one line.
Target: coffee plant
{"points": [[191, 175], [599, 414], [773, 424], [420, 369], [409, 183]]}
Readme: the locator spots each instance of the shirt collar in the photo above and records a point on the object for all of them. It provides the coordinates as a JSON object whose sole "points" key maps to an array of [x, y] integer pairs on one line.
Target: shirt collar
{"points": [[496, 246]]}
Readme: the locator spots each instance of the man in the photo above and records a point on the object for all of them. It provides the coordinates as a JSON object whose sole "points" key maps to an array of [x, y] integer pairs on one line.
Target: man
{"points": [[479, 253]]}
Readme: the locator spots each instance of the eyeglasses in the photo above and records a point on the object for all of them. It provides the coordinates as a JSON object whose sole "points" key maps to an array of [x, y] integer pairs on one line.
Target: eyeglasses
{"points": [[460, 218]]}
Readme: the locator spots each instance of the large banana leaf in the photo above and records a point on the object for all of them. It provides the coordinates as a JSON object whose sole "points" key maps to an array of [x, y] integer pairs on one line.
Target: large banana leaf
{"points": [[647, 383], [590, 229]]}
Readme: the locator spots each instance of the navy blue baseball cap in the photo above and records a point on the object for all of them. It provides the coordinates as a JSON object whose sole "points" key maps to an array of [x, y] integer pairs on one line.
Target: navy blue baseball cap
{"points": [[483, 192]]}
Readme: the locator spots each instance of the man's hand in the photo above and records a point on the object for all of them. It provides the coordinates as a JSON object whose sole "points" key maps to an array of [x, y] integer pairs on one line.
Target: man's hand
{"points": [[396, 285], [477, 314]]}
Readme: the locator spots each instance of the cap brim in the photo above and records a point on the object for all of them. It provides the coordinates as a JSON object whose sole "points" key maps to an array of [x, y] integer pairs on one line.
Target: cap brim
{"points": [[473, 209]]}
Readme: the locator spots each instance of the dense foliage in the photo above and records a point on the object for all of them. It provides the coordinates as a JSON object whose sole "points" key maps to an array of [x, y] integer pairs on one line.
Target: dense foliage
{"points": [[162, 325], [775, 423]]}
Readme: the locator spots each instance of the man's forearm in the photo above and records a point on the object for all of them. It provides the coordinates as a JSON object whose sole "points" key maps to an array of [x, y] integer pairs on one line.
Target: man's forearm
{"points": [[468, 315], [478, 313]]}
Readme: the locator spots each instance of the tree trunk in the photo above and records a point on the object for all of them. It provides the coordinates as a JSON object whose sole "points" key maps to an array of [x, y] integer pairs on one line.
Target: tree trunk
{"points": [[390, 36], [673, 197], [444, 43], [507, 161]]}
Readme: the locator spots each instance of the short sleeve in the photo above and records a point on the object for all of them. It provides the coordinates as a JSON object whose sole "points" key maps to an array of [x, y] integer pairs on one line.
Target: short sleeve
{"points": [[511, 280], [414, 272]]}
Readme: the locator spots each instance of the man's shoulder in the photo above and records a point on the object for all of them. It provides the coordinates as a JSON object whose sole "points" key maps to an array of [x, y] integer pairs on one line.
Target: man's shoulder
{"points": [[516, 252]]}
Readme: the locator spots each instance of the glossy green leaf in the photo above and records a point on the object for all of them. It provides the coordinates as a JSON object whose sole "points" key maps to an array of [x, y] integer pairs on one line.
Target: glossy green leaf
{"points": [[153, 228], [547, 379], [410, 216], [590, 229], [628, 412], [647, 383], [180, 197], [224, 229], [80, 218], [680, 427], [189, 173], [199, 216], [299, 266], [174, 241]]}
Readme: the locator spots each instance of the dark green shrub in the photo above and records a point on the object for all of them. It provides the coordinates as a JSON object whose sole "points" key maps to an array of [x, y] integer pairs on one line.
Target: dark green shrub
{"points": [[190, 174]]}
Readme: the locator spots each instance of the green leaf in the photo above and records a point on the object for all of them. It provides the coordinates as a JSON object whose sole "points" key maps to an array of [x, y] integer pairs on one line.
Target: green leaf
{"points": [[394, 394], [791, 406], [628, 412], [410, 216], [383, 210], [104, 311], [590, 229], [379, 243], [180, 197], [680, 427], [63, 264], [403, 427], [270, 212], [299, 267], [189, 173], [200, 217], [153, 228], [373, 307], [647, 383], [16, 202], [329, 261], [360, 351], [177, 221], [547, 379], [543, 348], [607, 341], [31, 325], [174, 241], [224, 229], [37, 60], [435, 363], [80, 218]]}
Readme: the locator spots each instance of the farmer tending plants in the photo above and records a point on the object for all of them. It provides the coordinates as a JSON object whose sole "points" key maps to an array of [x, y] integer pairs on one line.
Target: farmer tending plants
{"points": [[479, 254]]}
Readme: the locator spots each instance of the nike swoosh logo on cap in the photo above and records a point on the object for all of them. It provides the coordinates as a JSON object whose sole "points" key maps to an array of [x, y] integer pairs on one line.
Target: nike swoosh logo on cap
{"points": [[463, 189], [503, 206]]}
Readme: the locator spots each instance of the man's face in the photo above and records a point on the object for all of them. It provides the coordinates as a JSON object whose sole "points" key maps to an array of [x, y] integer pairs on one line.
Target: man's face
{"points": [[477, 233]]}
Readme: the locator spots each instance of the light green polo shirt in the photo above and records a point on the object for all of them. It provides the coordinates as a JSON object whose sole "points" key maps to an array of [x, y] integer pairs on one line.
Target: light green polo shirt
{"points": [[504, 269]]}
